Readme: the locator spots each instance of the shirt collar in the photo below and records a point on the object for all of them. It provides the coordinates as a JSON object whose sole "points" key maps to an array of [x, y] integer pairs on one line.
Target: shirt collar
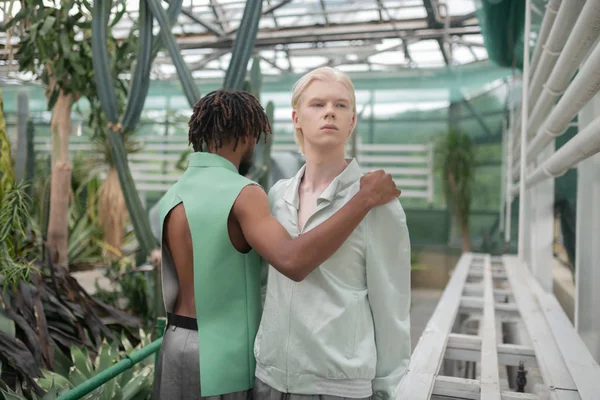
{"points": [[203, 159], [345, 179]]}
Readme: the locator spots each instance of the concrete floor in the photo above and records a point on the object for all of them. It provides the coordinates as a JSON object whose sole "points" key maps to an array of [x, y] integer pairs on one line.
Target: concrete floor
{"points": [[423, 305]]}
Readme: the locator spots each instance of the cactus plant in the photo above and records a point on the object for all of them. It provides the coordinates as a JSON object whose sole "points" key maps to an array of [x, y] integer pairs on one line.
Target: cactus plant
{"points": [[234, 79], [23, 116], [30, 165], [265, 182], [244, 45], [256, 78], [262, 154], [106, 94], [185, 76]]}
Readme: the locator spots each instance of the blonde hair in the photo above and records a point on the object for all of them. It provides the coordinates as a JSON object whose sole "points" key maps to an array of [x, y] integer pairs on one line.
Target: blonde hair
{"points": [[321, 74]]}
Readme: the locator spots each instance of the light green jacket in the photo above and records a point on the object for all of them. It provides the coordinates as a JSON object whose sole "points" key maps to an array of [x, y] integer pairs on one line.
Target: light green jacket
{"points": [[344, 330], [226, 282]]}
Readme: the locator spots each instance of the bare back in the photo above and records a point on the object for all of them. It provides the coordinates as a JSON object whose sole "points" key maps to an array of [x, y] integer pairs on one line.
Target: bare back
{"points": [[178, 239]]}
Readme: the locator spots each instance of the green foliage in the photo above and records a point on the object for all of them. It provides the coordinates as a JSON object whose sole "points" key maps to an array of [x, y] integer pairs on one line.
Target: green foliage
{"points": [[7, 176], [135, 383], [132, 285], [455, 158], [55, 45], [17, 250], [85, 244]]}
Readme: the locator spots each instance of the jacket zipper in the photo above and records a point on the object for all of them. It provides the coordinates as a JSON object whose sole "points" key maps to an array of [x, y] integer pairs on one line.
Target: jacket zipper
{"points": [[287, 350]]}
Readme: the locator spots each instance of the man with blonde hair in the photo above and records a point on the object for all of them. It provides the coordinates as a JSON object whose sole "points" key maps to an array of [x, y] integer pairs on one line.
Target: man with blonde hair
{"points": [[343, 332]]}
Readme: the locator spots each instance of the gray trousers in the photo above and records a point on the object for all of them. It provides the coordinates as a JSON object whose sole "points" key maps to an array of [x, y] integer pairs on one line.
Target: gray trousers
{"points": [[177, 374], [262, 391]]}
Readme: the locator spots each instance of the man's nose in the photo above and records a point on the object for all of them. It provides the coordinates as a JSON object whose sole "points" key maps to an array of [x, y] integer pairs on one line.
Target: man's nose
{"points": [[330, 112]]}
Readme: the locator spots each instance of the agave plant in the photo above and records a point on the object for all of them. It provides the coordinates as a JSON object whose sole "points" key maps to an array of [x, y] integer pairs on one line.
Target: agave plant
{"points": [[135, 383]]}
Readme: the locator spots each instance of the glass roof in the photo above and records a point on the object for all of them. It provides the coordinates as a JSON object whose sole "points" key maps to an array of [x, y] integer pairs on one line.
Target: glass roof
{"points": [[298, 35]]}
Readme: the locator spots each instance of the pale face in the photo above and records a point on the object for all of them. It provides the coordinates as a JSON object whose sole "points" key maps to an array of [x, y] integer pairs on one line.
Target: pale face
{"points": [[325, 115]]}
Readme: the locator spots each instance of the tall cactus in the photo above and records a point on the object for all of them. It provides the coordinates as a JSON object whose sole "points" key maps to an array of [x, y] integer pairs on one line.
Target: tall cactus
{"points": [[137, 96], [256, 78], [265, 182], [185, 76], [22, 118], [105, 86], [30, 166], [244, 45]]}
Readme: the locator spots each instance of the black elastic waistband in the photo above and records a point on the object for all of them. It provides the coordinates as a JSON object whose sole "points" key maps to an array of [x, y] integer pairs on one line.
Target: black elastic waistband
{"points": [[182, 322]]}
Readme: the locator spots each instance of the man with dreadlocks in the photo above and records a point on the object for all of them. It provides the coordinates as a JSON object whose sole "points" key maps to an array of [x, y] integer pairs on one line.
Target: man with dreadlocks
{"points": [[215, 226]]}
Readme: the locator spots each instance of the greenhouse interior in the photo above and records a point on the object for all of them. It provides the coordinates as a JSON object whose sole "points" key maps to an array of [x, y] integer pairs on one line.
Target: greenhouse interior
{"points": [[484, 113]]}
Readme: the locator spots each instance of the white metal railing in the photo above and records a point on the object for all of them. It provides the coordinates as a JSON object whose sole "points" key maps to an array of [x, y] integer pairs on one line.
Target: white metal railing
{"points": [[154, 168], [572, 35], [565, 84]]}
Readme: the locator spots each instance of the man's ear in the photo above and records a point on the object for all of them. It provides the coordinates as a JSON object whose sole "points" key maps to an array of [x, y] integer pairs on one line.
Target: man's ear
{"points": [[296, 119]]}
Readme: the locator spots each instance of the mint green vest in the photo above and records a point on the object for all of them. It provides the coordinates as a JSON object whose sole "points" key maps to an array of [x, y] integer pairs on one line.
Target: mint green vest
{"points": [[226, 282]]}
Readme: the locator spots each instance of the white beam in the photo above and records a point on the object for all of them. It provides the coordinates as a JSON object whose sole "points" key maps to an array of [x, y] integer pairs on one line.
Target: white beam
{"points": [[587, 252], [428, 355], [460, 388], [524, 119], [542, 227], [550, 360], [468, 348], [490, 381]]}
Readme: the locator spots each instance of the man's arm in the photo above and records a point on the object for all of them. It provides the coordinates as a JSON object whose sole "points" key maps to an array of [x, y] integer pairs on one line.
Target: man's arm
{"points": [[296, 258], [388, 285]]}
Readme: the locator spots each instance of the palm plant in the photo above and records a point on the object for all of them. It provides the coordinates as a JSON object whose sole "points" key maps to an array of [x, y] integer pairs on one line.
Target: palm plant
{"points": [[455, 159]]}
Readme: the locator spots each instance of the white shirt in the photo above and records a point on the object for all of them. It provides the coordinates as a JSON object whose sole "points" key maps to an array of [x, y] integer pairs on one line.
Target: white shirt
{"points": [[345, 330]]}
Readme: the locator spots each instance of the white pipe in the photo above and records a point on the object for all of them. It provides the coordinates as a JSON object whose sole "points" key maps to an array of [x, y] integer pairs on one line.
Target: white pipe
{"points": [[565, 19], [585, 86], [508, 190], [547, 23], [582, 146], [582, 37], [503, 170], [524, 118]]}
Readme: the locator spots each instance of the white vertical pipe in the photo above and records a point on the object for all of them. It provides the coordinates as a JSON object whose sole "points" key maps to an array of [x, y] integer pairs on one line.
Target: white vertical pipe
{"points": [[542, 227], [503, 176], [587, 251], [524, 118], [508, 184]]}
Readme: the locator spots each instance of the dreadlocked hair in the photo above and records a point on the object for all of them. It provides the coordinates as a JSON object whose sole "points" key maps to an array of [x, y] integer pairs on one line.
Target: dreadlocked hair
{"points": [[223, 116]]}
